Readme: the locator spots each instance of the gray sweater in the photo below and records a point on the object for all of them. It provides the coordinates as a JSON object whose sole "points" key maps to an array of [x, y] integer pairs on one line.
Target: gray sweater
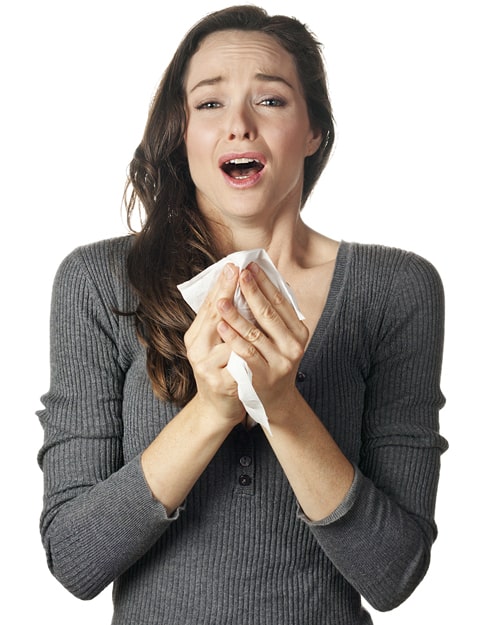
{"points": [[240, 551]]}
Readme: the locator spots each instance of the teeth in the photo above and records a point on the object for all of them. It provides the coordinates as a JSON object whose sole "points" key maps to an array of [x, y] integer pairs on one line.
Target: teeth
{"points": [[242, 161], [242, 168]]}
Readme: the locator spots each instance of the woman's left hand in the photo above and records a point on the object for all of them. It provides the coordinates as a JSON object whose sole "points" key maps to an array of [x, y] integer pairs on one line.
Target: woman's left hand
{"points": [[317, 470], [274, 347]]}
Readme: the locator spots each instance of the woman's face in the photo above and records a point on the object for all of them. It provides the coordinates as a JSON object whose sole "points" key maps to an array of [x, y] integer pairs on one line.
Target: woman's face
{"points": [[248, 131]]}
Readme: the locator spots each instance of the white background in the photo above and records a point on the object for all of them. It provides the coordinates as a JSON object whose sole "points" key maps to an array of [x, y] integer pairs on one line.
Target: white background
{"points": [[413, 91]]}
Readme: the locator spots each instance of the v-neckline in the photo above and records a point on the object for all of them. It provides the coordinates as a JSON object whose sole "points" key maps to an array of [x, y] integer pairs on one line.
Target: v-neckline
{"points": [[330, 306]]}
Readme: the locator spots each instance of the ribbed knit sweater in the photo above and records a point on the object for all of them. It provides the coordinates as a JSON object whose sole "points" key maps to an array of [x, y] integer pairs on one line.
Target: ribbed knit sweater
{"points": [[240, 551]]}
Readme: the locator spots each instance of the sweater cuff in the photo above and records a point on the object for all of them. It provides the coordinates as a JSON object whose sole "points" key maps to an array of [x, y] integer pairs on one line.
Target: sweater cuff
{"points": [[156, 504], [345, 505]]}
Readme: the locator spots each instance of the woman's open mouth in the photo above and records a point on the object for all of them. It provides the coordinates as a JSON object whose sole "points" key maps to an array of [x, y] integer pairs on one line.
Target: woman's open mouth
{"points": [[242, 168]]}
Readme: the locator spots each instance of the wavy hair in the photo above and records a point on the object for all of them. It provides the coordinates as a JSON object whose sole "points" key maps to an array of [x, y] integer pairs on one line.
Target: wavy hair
{"points": [[174, 241]]}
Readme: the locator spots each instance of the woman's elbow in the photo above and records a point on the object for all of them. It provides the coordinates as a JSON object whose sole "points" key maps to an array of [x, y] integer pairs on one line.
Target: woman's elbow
{"points": [[396, 585], [80, 581]]}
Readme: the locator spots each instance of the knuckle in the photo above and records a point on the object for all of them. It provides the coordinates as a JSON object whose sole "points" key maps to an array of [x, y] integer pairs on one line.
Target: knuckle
{"points": [[298, 352], [253, 334], [278, 298], [295, 351], [269, 313], [211, 311], [251, 351], [202, 369], [231, 391], [286, 366]]}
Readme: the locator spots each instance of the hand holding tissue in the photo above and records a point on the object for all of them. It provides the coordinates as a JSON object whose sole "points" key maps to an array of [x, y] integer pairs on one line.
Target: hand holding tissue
{"points": [[194, 292]]}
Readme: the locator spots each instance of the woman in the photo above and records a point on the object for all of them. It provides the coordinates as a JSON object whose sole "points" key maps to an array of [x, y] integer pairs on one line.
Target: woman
{"points": [[155, 478]]}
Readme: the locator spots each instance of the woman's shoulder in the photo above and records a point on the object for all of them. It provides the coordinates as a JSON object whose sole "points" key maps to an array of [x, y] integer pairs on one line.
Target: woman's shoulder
{"points": [[112, 250], [389, 261], [101, 265], [104, 255], [379, 272]]}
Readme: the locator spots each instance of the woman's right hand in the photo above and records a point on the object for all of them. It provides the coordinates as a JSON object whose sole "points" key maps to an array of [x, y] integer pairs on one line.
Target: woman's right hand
{"points": [[217, 392], [176, 458]]}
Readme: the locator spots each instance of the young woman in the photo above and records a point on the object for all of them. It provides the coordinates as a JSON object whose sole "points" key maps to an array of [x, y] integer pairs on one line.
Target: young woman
{"points": [[156, 480]]}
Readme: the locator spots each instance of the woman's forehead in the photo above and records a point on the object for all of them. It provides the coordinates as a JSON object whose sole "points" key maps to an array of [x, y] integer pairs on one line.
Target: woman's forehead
{"points": [[248, 50]]}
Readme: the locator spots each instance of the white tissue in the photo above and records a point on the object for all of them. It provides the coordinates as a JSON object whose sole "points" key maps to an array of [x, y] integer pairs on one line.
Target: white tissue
{"points": [[194, 292]]}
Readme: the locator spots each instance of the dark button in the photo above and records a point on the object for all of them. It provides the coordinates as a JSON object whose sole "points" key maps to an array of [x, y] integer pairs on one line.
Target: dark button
{"points": [[244, 480], [245, 461], [300, 376]]}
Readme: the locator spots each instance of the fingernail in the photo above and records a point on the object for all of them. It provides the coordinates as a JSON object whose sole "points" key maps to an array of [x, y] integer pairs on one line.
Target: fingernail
{"points": [[223, 327], [254, 268], [224, 305]]}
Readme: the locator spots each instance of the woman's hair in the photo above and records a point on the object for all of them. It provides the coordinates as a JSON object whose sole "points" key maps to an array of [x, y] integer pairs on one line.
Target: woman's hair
{"points": [[174, 242]]}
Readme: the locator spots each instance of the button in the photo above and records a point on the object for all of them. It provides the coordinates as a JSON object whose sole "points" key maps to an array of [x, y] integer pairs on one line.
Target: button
{"points": [[300, 376], [244, 480], [245, 461]]}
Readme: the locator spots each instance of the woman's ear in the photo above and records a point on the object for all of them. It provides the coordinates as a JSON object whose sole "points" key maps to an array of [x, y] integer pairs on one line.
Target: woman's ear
{"points": [[314, 141]]}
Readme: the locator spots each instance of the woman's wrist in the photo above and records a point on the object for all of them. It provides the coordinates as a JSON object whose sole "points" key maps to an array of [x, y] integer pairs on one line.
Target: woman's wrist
{"points": [[177, 457], [286, 408], [221, 417]]}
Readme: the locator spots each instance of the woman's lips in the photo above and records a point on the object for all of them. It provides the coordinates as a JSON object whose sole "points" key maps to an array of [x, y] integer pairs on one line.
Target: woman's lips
{"points": [[242, 170]]}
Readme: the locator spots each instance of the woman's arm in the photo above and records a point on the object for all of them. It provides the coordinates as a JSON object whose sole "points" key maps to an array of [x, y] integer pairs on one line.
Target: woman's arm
{"points": [[317, 470], [181, 452], [100, 514], [377, 530]]}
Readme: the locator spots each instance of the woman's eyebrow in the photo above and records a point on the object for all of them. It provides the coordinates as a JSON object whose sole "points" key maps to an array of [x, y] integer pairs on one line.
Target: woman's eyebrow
{"points": [[206, 82], [272, 78], [259, 76]]}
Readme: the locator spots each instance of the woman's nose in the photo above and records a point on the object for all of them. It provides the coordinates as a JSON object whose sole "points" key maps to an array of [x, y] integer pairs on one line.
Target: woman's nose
{"points": [[241, 124]]}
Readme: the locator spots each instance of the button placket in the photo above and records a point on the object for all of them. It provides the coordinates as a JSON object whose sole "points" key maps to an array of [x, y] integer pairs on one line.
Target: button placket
{"points": [[245, 469]]}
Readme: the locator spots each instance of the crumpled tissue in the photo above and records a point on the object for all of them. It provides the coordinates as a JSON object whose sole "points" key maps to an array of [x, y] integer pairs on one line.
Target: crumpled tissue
{"points": [[194, 292]]}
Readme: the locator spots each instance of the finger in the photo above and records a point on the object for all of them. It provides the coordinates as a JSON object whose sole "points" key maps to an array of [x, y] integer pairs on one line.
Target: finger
{"points": [[213, 380], [224, 287], [244, 338], [270, 307], [269, 361], [280, 350], [202, 335], [213, 364]]}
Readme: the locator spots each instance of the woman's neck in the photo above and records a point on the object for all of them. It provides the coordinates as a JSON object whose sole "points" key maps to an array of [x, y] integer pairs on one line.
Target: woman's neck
{"points": [[285, 243]]}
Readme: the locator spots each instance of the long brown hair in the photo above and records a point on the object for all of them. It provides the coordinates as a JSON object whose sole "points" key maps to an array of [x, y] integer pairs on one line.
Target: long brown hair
{"points": [[174, 242]]}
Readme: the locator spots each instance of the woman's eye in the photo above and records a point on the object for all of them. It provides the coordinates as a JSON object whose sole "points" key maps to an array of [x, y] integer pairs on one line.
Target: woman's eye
{"points": [[272, 102], [208, 105]]}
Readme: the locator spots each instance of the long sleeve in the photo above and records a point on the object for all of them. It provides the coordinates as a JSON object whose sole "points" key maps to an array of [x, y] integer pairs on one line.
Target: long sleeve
{"points": [[236, 551], [380, 538], [99, 516]]}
